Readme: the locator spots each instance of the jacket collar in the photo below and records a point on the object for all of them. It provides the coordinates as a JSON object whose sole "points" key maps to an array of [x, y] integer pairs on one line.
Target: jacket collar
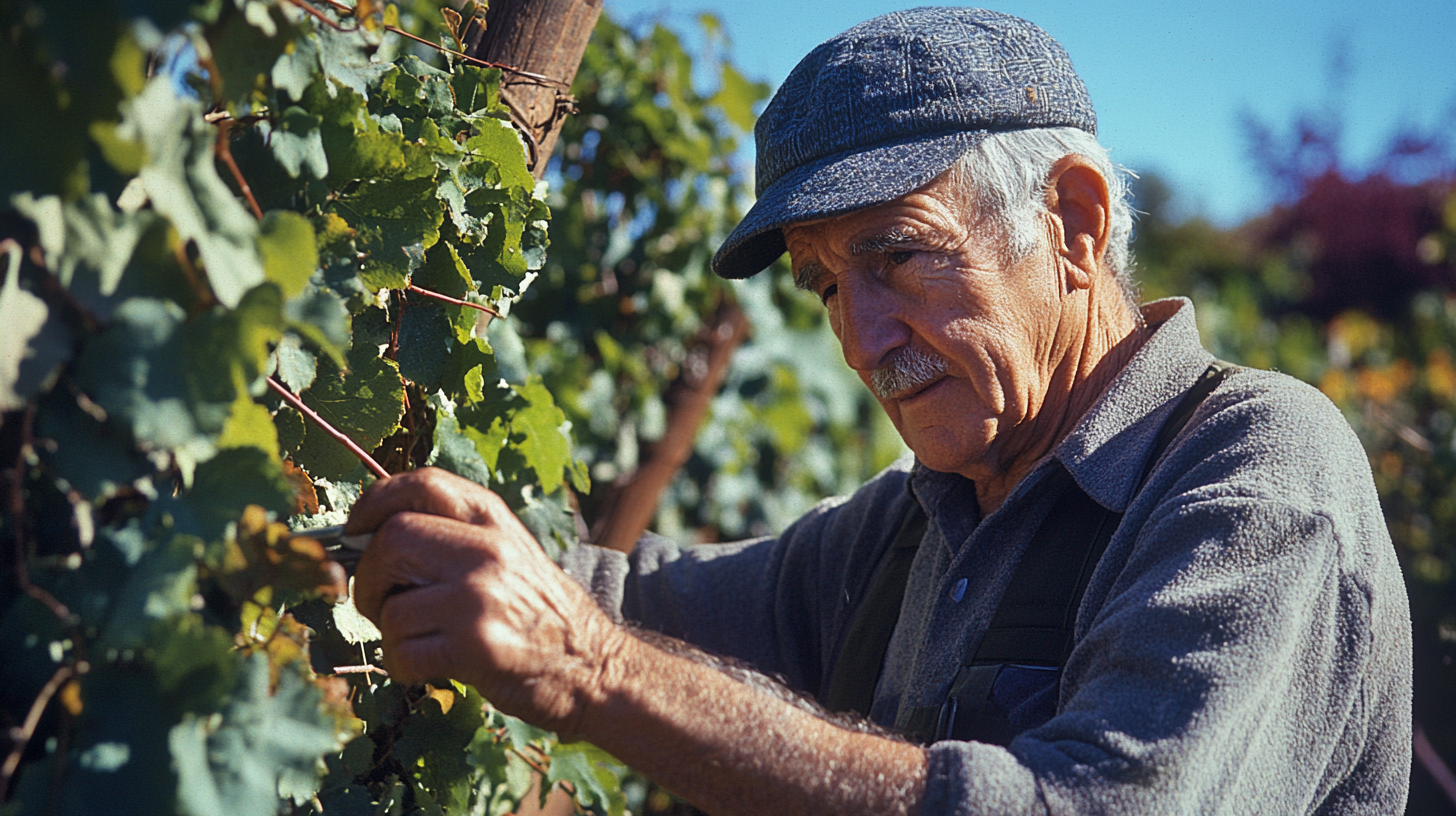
{"points": [[1108, 450]]}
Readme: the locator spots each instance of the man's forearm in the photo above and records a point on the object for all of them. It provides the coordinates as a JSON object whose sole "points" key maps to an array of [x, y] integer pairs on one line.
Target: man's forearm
{"points": [[732, 749]]}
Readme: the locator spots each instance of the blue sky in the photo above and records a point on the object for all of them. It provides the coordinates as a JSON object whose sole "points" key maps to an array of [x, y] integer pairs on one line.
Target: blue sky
{"points": [[1170, 79]]}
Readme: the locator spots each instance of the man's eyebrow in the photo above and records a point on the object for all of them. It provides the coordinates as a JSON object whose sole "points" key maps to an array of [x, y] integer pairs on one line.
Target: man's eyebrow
{"points": [[882, 242], [805, 276]]}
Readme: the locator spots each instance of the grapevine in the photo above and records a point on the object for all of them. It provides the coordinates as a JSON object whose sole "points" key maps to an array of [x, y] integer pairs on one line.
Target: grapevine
{"points": [[256, 257]]}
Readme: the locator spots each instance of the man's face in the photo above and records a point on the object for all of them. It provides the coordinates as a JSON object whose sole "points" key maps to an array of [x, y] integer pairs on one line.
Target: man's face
{"points": [[956, 343]]}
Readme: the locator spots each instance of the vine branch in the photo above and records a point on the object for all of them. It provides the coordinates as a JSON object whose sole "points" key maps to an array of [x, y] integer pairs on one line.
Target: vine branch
{"points": [[337, 435], [223, 150], [455, 301], [17, 513], [32, 719], [348, 10], [308, 7]]}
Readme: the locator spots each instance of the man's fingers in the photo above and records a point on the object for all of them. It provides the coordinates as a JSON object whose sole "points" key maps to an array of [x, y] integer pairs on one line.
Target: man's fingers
{"points": [[430, 490], [417, 550], [419, 658], [427, 610]]}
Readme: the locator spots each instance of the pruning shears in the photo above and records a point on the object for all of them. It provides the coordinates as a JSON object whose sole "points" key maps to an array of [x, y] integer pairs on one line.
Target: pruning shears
{"points": [[345, 549]]}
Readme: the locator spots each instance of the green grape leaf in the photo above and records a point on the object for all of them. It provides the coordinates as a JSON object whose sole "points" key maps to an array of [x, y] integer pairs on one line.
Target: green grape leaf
{"points": [[534, 239], [354, 627], [296, 366], [298, 143], [181, 180], [474, 383], [36, 345], [230, 481], [135, 371], [395, 222], [426, 337], [87, 233], [124, 155], [194, 662], [373, 328], [537, 433], [266, 741], [737, 96], [473, 379], [549, 518], [228, 351], [291, 428], [94, 458], [297, 67], [499, 142], [354, 145], [245, 48], [440, 731], [453, 450], [112, 762], [477, 90], [289, 250], [443, 271], [497, 260], [416, 84], [160, 586], [490, 442], [344, 56], [320, 316], [505, 775], [249, 425], [365, 404], [594, 774]]}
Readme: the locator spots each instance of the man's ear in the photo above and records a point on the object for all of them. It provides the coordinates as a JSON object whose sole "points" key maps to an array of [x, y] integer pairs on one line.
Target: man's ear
{"points": [[1080, 206]]}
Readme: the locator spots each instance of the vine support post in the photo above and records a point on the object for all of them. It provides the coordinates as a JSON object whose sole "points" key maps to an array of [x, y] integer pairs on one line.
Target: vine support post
{"points": [[546, 37]]}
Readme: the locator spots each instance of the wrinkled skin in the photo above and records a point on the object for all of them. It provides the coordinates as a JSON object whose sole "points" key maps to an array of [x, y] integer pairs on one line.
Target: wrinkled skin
{"points": [[484, 605], [460, 589], [1021, 340]]}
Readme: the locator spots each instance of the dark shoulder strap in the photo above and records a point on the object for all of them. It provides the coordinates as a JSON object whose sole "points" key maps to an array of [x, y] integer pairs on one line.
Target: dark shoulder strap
{"points": [[857, 669], [1034, 620]]}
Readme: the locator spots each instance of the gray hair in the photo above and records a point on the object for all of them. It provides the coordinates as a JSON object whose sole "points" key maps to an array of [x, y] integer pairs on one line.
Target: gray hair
{"points": [[1007, 173]]}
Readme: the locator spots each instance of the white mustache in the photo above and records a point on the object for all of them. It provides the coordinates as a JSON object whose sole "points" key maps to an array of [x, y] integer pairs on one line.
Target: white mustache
{"points": [[907, 371]]}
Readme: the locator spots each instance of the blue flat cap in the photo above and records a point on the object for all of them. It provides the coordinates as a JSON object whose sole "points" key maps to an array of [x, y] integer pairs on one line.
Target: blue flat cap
{"points": [[889, 105]]}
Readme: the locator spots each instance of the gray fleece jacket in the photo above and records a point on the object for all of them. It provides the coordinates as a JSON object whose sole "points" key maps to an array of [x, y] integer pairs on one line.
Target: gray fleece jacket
{"points": [[1244, 644]]}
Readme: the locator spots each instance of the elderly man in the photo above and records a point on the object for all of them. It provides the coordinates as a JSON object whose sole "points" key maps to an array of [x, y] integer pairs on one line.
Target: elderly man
{"points": [[1116, 577]]}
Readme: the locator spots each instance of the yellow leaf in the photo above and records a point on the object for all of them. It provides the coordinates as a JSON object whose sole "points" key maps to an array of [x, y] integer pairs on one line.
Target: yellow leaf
{"points": [[445, 697]]}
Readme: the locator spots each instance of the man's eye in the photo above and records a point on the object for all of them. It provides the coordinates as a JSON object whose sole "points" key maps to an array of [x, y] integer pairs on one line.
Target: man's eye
{"points": [[899, 256], [829, 291]]}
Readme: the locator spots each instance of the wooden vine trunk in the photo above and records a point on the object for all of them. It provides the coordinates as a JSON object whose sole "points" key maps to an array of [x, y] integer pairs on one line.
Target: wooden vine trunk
{"points": [[545, 37]]}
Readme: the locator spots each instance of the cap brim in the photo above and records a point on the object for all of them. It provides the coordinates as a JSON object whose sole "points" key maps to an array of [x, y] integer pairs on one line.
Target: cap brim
{"points": [[836, 185]]}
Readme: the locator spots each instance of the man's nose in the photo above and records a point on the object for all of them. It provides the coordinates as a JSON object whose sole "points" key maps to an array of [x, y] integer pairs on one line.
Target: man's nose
{"points": [[868, 326]]}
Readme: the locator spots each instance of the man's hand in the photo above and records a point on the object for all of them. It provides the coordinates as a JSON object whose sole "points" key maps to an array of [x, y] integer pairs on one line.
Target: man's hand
{"points": [[461, 589]]}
